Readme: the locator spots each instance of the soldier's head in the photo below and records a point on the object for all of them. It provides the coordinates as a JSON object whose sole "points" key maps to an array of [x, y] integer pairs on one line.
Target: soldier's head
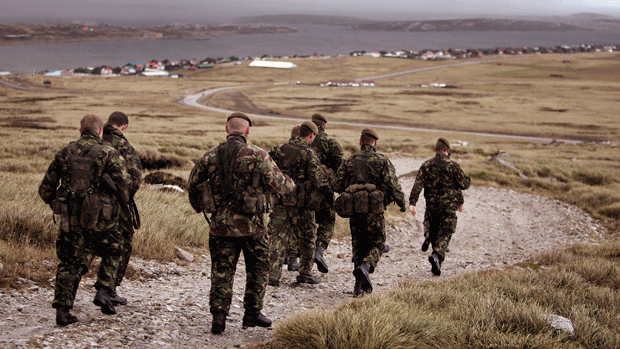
{"points": [[319, 120], [442, 146], [119, 120], [239, 122], [308, 130], [369, 136], [295, 131], [91, 123]]}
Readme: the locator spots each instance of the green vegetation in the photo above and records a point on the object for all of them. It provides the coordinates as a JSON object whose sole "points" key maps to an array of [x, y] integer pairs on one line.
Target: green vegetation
{"points": [[518, 97]]}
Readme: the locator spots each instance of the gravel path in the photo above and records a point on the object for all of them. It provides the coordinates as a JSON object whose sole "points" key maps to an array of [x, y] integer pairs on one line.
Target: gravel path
{"points": [[498, 228]]}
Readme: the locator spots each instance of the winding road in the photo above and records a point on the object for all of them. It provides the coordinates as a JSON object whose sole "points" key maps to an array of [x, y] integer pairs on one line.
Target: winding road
{"points": [[193, 101]]}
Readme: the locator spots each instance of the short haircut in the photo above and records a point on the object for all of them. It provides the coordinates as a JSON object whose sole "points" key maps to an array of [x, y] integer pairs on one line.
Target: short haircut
{"points": [[295, 131], [238, 124], [305, 131], [367, 139], [91, 122], [118, 118], [441, 147]]}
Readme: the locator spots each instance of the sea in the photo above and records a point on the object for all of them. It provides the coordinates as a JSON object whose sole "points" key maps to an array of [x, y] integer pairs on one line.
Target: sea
{"points": [[311, 39]]}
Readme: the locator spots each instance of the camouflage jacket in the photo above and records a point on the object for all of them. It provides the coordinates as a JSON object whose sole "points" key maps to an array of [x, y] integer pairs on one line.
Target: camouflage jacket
{"points": [[443, 181], [58, 176], [115, 138], [302, 168], [329, 151], [227, 221], [379, 171]]}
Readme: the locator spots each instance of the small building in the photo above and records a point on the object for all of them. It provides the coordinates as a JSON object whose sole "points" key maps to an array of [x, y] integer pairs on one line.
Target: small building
{"points": [[273, 64], [54, 73], [154, 73]]}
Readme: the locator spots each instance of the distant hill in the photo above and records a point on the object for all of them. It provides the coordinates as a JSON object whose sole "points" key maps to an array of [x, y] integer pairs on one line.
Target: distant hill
{"points": [[303, 20], [475, 24]]}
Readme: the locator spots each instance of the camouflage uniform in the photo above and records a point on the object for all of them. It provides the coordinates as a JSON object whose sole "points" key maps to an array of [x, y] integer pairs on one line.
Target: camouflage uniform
{"points": [[331, 156], [368, 230], [115, 138], [288, 220], [443, 181], [232, 231], [70, 246]]}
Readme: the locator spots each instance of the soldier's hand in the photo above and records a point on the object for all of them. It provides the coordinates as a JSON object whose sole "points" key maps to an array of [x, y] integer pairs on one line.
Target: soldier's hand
{"points": [[461, 208], [412, 209]]}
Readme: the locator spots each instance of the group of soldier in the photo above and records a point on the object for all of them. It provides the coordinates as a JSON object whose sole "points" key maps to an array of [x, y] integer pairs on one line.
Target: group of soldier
{"points": [[234, 185]]}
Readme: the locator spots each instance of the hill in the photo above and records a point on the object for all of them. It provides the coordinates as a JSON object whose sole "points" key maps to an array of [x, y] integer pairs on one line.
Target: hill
{"points": [[296, 19]]}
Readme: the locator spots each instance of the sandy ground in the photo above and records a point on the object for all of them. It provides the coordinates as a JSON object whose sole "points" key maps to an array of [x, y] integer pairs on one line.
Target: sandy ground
{"points": [[498, 228]]}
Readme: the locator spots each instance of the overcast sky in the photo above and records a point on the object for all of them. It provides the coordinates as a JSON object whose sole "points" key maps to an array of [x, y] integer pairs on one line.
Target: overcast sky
{"points": [[218, 11]]}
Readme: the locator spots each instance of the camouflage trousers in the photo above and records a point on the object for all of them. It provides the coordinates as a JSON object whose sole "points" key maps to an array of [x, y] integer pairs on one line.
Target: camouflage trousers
{"points": [[439, 225], [225, 252], [127, 232], [288, 224], [109, 246], [326, 220], [368, 238], [73, 250]]}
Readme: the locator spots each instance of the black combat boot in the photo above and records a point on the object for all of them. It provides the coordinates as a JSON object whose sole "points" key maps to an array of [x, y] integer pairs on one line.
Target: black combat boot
{"points": [[357, 290], [293, 264], [318, 259], [425, 245], [273, 282], [362, 273], [308, 279], [219, 323], [64, 317], [435, 264], [253, 318], [116, 299], [102, 299]]}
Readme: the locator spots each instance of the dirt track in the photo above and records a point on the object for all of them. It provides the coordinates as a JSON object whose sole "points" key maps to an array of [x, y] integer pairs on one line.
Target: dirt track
{"points": [[497, 229]]}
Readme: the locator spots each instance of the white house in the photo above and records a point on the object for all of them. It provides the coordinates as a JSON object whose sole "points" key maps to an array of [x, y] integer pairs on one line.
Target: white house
{"points": [[272, 64]]}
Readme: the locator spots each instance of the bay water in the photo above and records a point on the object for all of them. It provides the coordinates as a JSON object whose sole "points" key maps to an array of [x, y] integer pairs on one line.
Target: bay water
{"points": [[326, 40]]}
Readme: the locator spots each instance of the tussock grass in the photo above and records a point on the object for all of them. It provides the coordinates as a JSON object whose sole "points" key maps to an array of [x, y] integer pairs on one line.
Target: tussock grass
{"points": [[495, 309]]}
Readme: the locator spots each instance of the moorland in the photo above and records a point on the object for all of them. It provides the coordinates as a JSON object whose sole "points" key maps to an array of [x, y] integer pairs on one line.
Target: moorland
{"points": [[510, 96]]}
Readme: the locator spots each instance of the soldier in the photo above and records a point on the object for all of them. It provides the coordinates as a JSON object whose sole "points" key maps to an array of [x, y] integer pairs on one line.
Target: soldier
{"points": [[113, 136], [331, 155], [231, 182], [76, 187], [370, 178], [294, 214], [443, 181]]}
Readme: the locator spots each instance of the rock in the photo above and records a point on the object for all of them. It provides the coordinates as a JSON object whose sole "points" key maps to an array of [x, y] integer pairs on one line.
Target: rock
{"points": [[509, 165], [186, 256], [560, 323]]}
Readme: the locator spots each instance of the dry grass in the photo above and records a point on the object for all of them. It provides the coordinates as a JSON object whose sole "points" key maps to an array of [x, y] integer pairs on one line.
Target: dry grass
{"points": [[497, 309], [511, 96]]}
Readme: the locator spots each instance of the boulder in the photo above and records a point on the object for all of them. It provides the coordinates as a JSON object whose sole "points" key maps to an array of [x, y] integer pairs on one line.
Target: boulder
{"points": [[184, 255]]}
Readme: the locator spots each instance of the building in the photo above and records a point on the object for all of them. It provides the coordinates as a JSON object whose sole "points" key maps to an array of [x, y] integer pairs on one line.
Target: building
{"points": [[273, 64]]}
